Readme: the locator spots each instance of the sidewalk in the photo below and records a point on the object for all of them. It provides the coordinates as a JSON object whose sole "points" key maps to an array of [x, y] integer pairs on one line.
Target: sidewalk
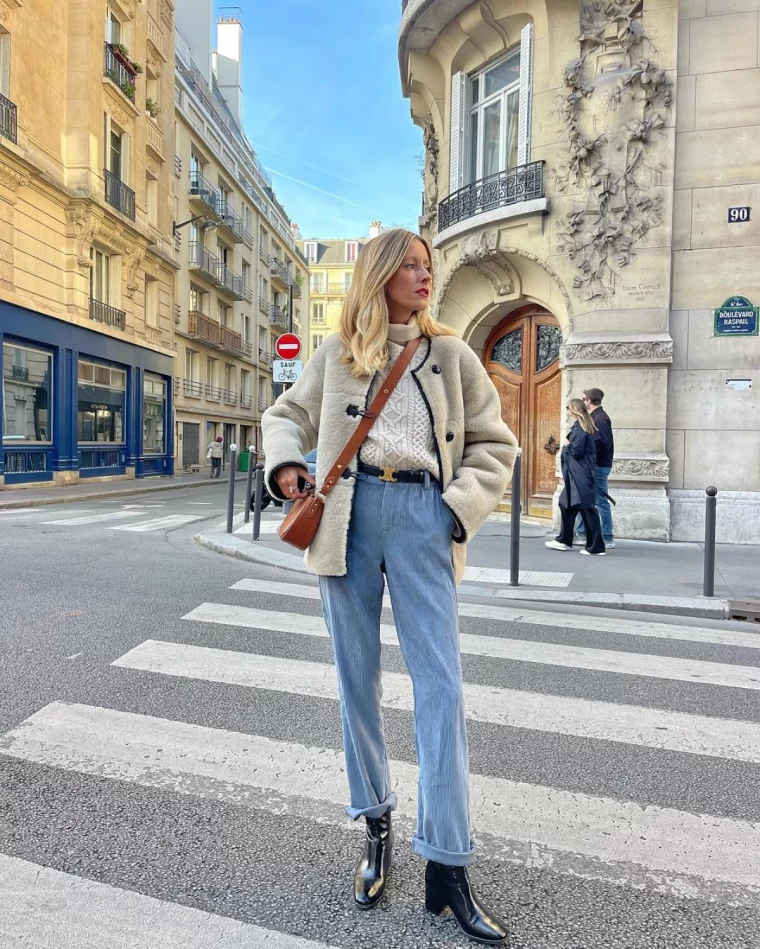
{"points": [[33, 497], [636, 575]]}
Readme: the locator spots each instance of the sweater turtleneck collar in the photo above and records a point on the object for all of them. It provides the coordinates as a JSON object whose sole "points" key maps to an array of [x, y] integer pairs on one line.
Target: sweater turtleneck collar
{"points": [[401, 333]]}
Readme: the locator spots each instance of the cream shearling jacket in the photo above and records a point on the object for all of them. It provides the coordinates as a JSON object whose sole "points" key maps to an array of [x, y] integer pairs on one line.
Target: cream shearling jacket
{"points": [[475, 449]]}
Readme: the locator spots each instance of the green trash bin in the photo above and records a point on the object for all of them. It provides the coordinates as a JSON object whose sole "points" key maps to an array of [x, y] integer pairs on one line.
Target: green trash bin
{"points": [[243, 461]]}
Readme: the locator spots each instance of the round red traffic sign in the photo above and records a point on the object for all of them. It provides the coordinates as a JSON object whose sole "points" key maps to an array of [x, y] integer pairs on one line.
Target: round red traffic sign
{"points": [[288, 346]]}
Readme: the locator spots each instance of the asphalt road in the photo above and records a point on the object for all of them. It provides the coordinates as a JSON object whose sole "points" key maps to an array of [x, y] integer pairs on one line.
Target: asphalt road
{"points": [[170, 770]]}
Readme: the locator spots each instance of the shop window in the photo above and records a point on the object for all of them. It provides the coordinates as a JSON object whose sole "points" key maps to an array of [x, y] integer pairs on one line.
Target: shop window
{"points": [[101, 403], [27, 394], [154, 415]]}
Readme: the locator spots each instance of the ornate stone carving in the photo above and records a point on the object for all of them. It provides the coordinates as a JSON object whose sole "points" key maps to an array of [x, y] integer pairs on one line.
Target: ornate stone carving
{"points": [[117, 110], [614, 86], [7, 7], [11, 177], [432, 149], [153, 166], [167, 14], [656, 469], [480, 251], [153, 61], [619, 351], [86, 225], [133, 260]]}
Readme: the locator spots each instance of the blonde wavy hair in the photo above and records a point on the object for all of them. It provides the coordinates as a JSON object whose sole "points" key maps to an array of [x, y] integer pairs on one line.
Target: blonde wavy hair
{"points": [[577, 409], [364, 318]]}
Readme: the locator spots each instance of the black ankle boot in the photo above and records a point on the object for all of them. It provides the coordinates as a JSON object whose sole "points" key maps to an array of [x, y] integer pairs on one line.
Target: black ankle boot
{"points": [[372, 872], [450, 887]]}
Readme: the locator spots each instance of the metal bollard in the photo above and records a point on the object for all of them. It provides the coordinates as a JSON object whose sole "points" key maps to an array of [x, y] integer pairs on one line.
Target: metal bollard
{"points": [[259, 489], [711, 505], [249, 483], [231, 491], [514, 537]]}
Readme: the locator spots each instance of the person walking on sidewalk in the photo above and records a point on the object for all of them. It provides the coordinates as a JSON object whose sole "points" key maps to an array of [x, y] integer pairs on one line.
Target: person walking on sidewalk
{"points": [[214, 451], [605, 451], [578, 462], [436, 462]]}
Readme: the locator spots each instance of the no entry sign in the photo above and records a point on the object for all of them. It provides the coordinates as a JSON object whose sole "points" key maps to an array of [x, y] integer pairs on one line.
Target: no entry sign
{"points": [[288, 346]]}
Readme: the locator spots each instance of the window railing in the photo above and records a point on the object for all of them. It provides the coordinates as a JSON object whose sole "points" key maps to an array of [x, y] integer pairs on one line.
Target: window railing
{"points": [[204, 261], [8, 119], [20, 373], [205, 191], [278, 269], [118, 195], [247, 347], [278, 316], [263, 404], [230, 280], [246, 401], [264, 305], [513, 186], [231, 340], [229, 396], [213, 393], [320, 289], [265, 357], [234, 222], [103, 313], [193, 388], [116, 69], [25, 462], [203, 327]]}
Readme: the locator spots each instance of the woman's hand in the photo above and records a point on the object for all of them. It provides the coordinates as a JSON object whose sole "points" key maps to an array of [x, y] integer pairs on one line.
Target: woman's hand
{"points": [[287, 481]]}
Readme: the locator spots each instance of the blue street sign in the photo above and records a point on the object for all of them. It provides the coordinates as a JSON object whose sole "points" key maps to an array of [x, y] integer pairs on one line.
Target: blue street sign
{"points": [[737, 317]]}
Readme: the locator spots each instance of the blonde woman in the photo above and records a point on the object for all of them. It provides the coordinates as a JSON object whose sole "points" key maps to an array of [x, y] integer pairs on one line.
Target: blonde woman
{"points": [[433, 467], [579, 473]]}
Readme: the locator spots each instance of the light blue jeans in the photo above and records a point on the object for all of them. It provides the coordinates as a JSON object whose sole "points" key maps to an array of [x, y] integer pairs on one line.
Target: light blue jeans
{"points": [[402, 532]]}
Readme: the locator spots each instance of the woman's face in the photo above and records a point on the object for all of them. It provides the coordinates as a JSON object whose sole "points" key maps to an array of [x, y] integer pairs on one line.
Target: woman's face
{"points": [[409, 287]]}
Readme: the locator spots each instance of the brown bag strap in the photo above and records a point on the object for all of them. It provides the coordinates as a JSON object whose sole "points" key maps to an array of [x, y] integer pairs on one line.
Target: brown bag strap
{"points": [[362, 429]]}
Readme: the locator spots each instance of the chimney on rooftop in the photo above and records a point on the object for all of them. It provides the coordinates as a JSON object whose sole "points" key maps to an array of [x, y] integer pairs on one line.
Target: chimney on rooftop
{"points": [[375, 228], [229, 50]]}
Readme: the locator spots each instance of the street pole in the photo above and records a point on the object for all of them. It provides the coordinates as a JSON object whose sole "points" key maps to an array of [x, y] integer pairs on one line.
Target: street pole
{"points": [[514, 527], [231, 490], [249, 482], [290, 306], [711, 504], [257, 500]]}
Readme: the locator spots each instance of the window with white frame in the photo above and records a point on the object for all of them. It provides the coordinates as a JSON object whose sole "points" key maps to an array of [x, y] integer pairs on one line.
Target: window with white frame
{"points": [[316, 342], [491, 116], [317, 312], [317, 282], [352, 249], [114, 31], [347, 278], [103, 277], [192, 365], [310, 251]]}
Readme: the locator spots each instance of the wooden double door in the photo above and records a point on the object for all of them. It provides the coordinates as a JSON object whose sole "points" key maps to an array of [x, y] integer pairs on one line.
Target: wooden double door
{"points": [[522, 359]]}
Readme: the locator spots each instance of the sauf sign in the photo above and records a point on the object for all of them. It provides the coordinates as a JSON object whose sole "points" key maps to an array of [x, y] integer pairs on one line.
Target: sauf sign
{"points": [[287, 367]]}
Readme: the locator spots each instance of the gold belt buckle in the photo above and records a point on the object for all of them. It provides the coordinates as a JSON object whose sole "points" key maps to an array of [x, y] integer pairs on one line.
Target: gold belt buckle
{"points": [[388, 474]]}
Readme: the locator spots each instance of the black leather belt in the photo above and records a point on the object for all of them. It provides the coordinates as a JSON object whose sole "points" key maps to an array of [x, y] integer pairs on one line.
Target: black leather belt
{"points": [[394, 474]]}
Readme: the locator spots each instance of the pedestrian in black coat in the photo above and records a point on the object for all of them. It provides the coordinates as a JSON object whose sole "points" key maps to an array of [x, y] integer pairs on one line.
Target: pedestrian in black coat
{"points": [[578, 462]]}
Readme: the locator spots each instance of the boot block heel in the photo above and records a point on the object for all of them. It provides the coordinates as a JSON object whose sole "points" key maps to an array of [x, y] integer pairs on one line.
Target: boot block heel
{"points": [[434, 902]]}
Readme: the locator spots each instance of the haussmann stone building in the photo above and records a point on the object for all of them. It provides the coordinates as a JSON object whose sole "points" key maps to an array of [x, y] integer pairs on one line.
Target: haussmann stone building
{"points": [[591, 193]]}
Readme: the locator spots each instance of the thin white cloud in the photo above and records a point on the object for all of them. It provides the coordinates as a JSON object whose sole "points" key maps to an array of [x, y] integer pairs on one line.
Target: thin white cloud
{"points": [[329, 194]]}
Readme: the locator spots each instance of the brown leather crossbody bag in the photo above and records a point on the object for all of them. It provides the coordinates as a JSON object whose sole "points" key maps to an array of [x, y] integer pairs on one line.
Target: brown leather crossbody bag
{"points": [[302, 521]]}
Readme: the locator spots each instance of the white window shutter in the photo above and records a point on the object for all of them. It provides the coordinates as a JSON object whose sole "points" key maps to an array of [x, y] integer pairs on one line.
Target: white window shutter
{"points": [[456, 159], [5, 65], [526, 95]]}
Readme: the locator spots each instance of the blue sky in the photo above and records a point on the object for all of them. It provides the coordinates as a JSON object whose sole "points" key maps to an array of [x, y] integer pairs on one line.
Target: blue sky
{"points": [[323, 105]]}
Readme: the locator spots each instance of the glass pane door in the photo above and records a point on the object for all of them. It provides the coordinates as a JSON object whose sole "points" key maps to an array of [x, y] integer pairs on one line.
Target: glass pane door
{"points": [[491, 139]]}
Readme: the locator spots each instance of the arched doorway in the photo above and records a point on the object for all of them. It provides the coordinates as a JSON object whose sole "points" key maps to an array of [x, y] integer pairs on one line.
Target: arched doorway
{"points": [[522, 358]]}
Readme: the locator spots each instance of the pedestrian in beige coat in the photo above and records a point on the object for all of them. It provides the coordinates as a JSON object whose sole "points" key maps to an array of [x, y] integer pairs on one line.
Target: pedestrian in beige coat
{"points": [[434, 466]]}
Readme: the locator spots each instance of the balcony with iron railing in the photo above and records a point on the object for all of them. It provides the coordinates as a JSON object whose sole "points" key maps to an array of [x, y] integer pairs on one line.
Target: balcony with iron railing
{"points": [[506, 194], [318, 289], [202, 327], [247, 347], [246, 400], [8, 120], [265, 358], [118, 68], [192, 388], [234, 224], [213, 393], [231, 282], [205, 194], [205, 262], [279, 271], [264, 305], [118, 195], [103, 313], [229, 396], [278, 316]]}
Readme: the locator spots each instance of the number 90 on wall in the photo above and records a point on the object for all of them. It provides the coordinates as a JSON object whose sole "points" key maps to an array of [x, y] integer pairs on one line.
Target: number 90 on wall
{"points": [[738, 215]]}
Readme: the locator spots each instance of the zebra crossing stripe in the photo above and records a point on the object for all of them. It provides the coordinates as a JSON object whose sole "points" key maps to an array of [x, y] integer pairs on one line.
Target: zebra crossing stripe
{"points": [[605, 721], [194, 759], [514, 650], [40, 907], [171, 520], [96, 518], [598, 624]]}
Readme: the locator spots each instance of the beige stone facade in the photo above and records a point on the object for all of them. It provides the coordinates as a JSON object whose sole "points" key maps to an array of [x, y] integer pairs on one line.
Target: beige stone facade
{"points": [[580, 163], [237, 276], [86, 270]]}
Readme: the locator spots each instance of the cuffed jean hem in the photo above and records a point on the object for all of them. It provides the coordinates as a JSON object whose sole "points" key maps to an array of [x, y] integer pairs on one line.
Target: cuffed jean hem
{"points": [[377, 810], [447, 857]]}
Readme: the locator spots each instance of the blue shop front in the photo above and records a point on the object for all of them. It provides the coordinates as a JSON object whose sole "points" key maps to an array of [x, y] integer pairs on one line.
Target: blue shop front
{"points": [[77, 404]]}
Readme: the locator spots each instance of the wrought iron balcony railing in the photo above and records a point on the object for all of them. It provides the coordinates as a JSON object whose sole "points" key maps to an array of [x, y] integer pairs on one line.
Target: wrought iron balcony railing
{"points": [[246, 401], [116, 68], [234, 222], [8, 119], [265, 358], [278, 316], [192, 388], [231, 281], [20, 373], [264, 305], [204, 261], [204, 191], [118, 195], [109, 315], [229, 396], [513, 186], [213, 393]]}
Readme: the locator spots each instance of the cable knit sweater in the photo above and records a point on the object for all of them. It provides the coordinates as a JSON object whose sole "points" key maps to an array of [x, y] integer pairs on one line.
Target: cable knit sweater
{"points": [[401, 437]]}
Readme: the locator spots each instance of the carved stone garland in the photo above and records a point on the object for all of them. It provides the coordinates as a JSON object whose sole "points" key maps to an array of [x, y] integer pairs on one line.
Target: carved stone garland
{"points": [[613, 75], [432, 149]]}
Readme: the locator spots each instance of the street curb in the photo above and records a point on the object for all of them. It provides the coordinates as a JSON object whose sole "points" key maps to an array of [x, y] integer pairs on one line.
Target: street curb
{"points": [[233, 546], [148, 489]]}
